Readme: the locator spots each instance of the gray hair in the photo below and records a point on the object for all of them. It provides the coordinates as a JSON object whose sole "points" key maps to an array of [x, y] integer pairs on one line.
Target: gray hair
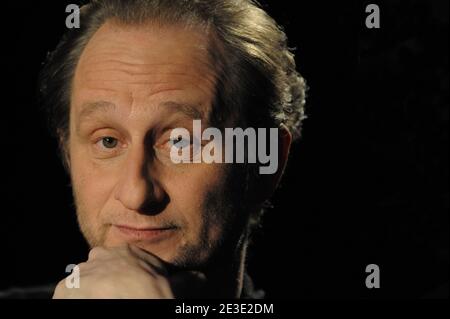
{"points": [[257, 77]]}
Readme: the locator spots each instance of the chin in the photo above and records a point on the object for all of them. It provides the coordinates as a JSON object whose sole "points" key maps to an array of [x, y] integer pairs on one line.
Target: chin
{"points": [[166, 249]]}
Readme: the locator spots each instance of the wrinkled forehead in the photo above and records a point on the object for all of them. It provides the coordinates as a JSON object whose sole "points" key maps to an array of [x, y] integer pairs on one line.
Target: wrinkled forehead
{"points": [[150, 43], [144, 61]]}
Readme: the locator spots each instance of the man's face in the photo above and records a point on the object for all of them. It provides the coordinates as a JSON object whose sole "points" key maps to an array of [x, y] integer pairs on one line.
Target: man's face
{"points": [[132, 86]]}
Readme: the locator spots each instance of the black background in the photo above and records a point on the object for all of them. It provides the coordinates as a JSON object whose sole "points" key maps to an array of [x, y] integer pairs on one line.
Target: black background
{"points": [[368, 182]]}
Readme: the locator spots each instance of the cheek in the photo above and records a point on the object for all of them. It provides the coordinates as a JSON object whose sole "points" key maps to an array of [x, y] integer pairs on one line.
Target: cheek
{"points": [[189, 191], [91, 185]]}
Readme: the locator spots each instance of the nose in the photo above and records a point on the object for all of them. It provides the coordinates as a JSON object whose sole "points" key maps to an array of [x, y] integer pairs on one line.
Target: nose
{"points": [[137, 188]]}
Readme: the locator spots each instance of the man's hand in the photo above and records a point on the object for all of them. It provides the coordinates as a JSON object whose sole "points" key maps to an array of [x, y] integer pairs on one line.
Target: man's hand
{"points": [[120, 272]]}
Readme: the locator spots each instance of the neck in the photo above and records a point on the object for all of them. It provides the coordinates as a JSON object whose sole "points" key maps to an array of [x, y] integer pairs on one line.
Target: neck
{"points": [[225, 277]]}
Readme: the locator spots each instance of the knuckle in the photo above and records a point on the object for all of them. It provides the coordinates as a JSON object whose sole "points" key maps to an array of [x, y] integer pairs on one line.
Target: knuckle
{"points": [[60, 286], [96, 252], [82, 266]]}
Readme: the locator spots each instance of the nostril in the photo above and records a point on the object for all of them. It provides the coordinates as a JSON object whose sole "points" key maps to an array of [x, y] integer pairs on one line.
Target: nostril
{"points": [[154, 206], [138, 188]]}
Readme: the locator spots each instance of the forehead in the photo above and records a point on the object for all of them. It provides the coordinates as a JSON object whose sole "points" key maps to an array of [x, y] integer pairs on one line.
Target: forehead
{"points": [[134, 65], [146, 43]]}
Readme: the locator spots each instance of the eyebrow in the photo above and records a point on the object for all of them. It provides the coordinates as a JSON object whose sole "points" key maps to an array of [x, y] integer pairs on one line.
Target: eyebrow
{"points": [[91, 108], [188, 110]]}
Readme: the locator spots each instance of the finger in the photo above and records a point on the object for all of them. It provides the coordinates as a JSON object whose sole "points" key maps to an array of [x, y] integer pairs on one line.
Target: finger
{"points": [[98, 252]]}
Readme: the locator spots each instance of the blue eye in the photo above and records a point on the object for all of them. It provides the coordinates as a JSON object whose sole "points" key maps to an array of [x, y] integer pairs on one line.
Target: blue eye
{"points": [[109, 142], [179, 142]]}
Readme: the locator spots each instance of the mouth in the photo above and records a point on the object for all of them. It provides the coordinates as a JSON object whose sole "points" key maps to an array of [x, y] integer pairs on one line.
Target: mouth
{"points": [[150, 234]]}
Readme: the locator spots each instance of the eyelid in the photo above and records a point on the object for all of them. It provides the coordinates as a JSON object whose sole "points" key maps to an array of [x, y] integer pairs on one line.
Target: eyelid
{"points": [[179, 143], [163, 138], [102, 152], [167, 142], [98, 134], [105, 149]]}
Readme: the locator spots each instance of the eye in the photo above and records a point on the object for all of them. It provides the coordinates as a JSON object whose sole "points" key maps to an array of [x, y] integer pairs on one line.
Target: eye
{"points": [[179, 142], [109, 142]]}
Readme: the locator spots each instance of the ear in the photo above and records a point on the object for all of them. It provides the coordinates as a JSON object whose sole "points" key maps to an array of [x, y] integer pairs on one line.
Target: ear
{"points": [[270, 182]]}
